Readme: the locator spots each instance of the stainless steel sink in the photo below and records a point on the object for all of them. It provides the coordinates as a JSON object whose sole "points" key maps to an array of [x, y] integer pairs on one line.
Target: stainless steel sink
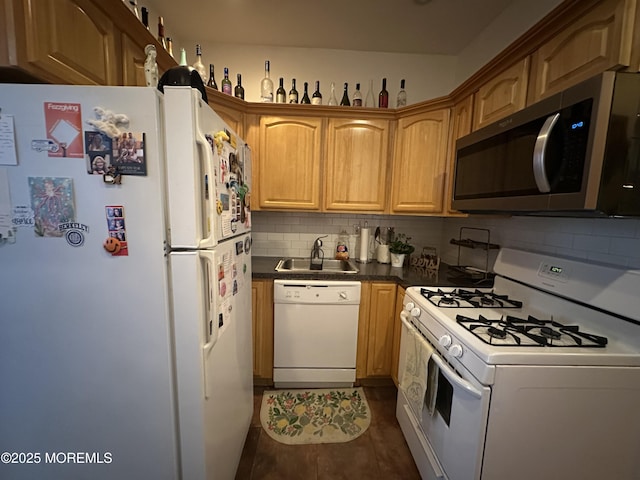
{"points": [[303, 265]]}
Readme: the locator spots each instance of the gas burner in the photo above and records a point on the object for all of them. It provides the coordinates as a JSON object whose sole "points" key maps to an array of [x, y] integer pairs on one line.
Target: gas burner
{"points": [[529, 332], [460, 298]]}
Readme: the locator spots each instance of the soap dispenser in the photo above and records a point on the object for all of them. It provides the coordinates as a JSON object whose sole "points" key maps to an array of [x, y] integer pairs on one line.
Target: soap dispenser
{"points": [[342, 246]]}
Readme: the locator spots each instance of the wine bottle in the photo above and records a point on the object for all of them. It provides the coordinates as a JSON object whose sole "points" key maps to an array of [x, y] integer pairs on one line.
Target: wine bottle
{"points": [[198, 65], [305, 97], [369, 100], [332, 99], [345, 96], [357, 97], [316, 98], [226, 83], [383, 96], [281, 94], [161, 39], [401, 101], [133, 5], [238, 92], [170, 46], [183, 57], [212, 78], [293, 93], [266, 85], [145, 17]]}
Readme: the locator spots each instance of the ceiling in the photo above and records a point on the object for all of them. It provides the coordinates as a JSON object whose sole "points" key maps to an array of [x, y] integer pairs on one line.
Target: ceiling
{"points": [[399, 26]]}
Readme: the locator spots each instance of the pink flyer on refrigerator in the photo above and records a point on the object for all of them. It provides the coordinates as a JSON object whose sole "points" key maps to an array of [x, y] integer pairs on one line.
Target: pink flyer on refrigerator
{"points": [[64, 126]]}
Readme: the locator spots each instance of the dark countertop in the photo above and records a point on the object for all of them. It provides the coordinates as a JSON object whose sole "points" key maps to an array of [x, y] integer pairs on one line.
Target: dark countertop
{"points": [[264, 267]]}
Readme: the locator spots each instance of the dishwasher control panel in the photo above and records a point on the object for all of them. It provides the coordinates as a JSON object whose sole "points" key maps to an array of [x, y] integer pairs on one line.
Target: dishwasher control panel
{"points": [[316, 292]]}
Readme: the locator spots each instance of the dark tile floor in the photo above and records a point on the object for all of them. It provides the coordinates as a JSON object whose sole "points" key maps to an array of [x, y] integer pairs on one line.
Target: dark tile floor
{"points": [[379, 453]]}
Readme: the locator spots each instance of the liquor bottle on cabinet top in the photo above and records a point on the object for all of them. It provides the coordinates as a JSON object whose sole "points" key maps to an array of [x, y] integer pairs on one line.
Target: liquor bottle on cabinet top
{"points": [[266, 85], [357, 97], [238, 92], [332, 99], [183, 57], [293, 93], [145, 17], [345, 96], [212, 78], [161, 39], [226, 83], [369, 100], [133, 5], [383, 96], [305, 97], [281, 94], [198, 65], [170, 46], [316, 98], [401, 101]]}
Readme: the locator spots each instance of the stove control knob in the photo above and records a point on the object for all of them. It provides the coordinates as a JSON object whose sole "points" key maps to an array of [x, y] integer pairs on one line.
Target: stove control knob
{"points": [[415, 312], [445, 341], [409, 306], [456, 351]]}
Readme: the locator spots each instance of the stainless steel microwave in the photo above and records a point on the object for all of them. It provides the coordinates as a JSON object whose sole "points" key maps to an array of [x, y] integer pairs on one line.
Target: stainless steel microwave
{"points": [[576, 153]]}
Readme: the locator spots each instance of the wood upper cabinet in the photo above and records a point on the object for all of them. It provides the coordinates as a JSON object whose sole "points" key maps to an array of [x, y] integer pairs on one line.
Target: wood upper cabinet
{"points": [[133, 58], [601, 39], [262, 319], [397, 331], [355, 174], [461, 120], [381, 327], [288, 163], [419, 162], [61, 41], [503, 95]]}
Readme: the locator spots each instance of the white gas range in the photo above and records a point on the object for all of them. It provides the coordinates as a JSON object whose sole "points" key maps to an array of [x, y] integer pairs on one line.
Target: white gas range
{"points": [[537, 377]]}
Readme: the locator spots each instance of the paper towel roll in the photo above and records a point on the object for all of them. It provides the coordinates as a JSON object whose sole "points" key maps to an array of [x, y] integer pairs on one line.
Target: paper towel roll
{"points": [[363, 256]]}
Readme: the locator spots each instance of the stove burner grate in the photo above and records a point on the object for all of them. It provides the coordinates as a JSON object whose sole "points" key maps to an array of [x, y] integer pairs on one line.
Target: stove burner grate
{"points": [[529, 332], [459, 297]]}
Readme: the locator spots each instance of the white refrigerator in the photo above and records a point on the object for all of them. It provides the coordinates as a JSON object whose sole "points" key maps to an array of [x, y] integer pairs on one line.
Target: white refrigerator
{"points": [[125, 272]]}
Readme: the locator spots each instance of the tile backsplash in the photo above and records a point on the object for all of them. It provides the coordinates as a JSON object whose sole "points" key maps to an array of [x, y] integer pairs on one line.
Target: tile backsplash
{"points": [[613, 241]]}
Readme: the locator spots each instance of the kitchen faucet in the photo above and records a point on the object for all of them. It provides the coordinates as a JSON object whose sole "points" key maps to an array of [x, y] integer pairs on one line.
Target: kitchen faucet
{"points": [[317, 255]]}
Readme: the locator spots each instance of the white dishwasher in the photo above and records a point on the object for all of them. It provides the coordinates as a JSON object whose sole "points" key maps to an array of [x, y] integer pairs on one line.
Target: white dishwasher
{"points": [[315, 333]]}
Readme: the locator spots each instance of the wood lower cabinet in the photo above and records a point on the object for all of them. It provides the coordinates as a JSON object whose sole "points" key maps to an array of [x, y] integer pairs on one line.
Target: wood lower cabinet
{"points": [[375, 330], [355, 173], [397, 331], [600, 39], [419, 162], [504, 94], [262, 320], [287, 167]]}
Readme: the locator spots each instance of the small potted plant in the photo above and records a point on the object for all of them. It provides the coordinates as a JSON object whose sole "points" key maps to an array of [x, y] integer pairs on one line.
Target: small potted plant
{"points": [[399, 248]]}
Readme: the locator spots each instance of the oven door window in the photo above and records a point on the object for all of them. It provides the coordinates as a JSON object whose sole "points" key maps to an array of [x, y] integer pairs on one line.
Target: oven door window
{"points": [[444, 398]]}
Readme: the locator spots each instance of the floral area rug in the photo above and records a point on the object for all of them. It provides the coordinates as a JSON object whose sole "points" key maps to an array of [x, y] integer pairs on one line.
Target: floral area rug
{"points": [[314, 416]]}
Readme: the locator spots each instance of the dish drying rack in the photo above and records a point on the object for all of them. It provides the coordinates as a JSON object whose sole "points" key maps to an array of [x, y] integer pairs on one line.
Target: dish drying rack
{"points": [[475, 274]]}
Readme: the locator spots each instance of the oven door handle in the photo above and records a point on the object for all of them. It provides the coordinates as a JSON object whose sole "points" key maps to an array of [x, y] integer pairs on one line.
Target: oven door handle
{"points": [[454, 378], [446, 370], [539, 160]]}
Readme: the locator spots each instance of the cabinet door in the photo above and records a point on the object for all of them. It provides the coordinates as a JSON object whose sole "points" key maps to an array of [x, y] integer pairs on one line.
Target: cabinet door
{"points": [[420, 162], [397, 330], [381, 326], [599, 40], [461, 119], [262, 319], [288, 163], [503, 95], [356, 169], [363, 330], [232, 117], [133, 59], [65, 41]]}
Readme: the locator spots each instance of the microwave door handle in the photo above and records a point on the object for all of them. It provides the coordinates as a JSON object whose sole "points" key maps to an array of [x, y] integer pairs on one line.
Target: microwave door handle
{"points": [[539, 154]]}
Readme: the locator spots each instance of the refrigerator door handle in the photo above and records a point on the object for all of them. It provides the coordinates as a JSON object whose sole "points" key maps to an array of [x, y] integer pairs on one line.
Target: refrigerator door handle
{"points": [[209, 284], [205, 158]]}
